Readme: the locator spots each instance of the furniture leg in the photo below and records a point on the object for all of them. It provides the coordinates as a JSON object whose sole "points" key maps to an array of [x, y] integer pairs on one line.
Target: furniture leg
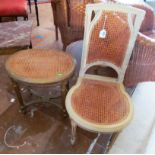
{"points": [[29, 2], [37, 14], [53, 5], [19, 95], [30, 45], [111, 141], [63, 96], [25, 18], [73, 132], [64, 47], [56, 32]]}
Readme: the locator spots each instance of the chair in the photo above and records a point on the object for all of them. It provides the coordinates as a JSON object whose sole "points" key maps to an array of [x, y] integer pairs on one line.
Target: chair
{"points": [[141, 66], [100, 104], [65, 12], [13, 8]]}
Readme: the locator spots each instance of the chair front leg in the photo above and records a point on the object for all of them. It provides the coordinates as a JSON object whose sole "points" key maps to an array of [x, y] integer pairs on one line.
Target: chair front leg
{"points": [[29, 2], [37, 12], [111, 141], [73, 132]]}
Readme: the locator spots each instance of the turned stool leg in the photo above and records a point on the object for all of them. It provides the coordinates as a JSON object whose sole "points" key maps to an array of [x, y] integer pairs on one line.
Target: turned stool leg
{"points": [[19, 96], [64, 90]]}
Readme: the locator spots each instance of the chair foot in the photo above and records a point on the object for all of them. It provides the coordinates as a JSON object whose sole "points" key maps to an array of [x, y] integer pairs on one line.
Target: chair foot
{"points": [[23, 110], [30, 45], [64, 47], [73, 134], [25, 18], [65, 113]]}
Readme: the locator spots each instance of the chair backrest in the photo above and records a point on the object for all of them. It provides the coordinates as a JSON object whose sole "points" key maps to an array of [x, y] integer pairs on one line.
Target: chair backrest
{"points": [[148, 22], [77, 13], [110, 33]]}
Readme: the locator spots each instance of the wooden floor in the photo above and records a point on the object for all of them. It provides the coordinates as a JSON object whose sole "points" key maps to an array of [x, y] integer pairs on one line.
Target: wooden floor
{"points": [[47, 131]]}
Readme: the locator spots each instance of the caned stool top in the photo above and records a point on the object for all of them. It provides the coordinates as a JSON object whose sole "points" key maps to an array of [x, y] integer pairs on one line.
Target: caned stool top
{"points": [[40, 66]]}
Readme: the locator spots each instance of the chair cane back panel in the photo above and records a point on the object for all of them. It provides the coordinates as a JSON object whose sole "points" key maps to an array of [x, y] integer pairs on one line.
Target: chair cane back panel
{"points": [[121, 24], [61, 18], [77, 9], [114, 46]]}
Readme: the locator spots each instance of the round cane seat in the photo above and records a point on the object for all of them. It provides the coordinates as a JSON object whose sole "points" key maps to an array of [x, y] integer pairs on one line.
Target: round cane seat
{"points": [[100, 103], [40, 66]]}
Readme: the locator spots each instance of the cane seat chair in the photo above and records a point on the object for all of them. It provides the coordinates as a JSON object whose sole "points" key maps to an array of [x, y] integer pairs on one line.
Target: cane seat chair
{"points": [[65, 12], [141, 67], [97, 103]]}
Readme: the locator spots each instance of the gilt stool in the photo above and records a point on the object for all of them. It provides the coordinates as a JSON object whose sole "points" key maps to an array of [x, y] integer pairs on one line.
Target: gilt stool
{"points": [[40, 68]]}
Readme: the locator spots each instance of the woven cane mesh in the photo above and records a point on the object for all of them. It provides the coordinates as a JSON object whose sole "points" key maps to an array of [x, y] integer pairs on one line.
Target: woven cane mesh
{"points": [[40, 66], [60, 13], [77, 13], [100, 102], [114, 47], [141, 65]]}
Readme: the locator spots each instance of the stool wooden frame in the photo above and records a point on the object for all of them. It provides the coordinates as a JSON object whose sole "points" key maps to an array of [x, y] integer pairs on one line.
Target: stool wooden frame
{"points": [[96, 11]]}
